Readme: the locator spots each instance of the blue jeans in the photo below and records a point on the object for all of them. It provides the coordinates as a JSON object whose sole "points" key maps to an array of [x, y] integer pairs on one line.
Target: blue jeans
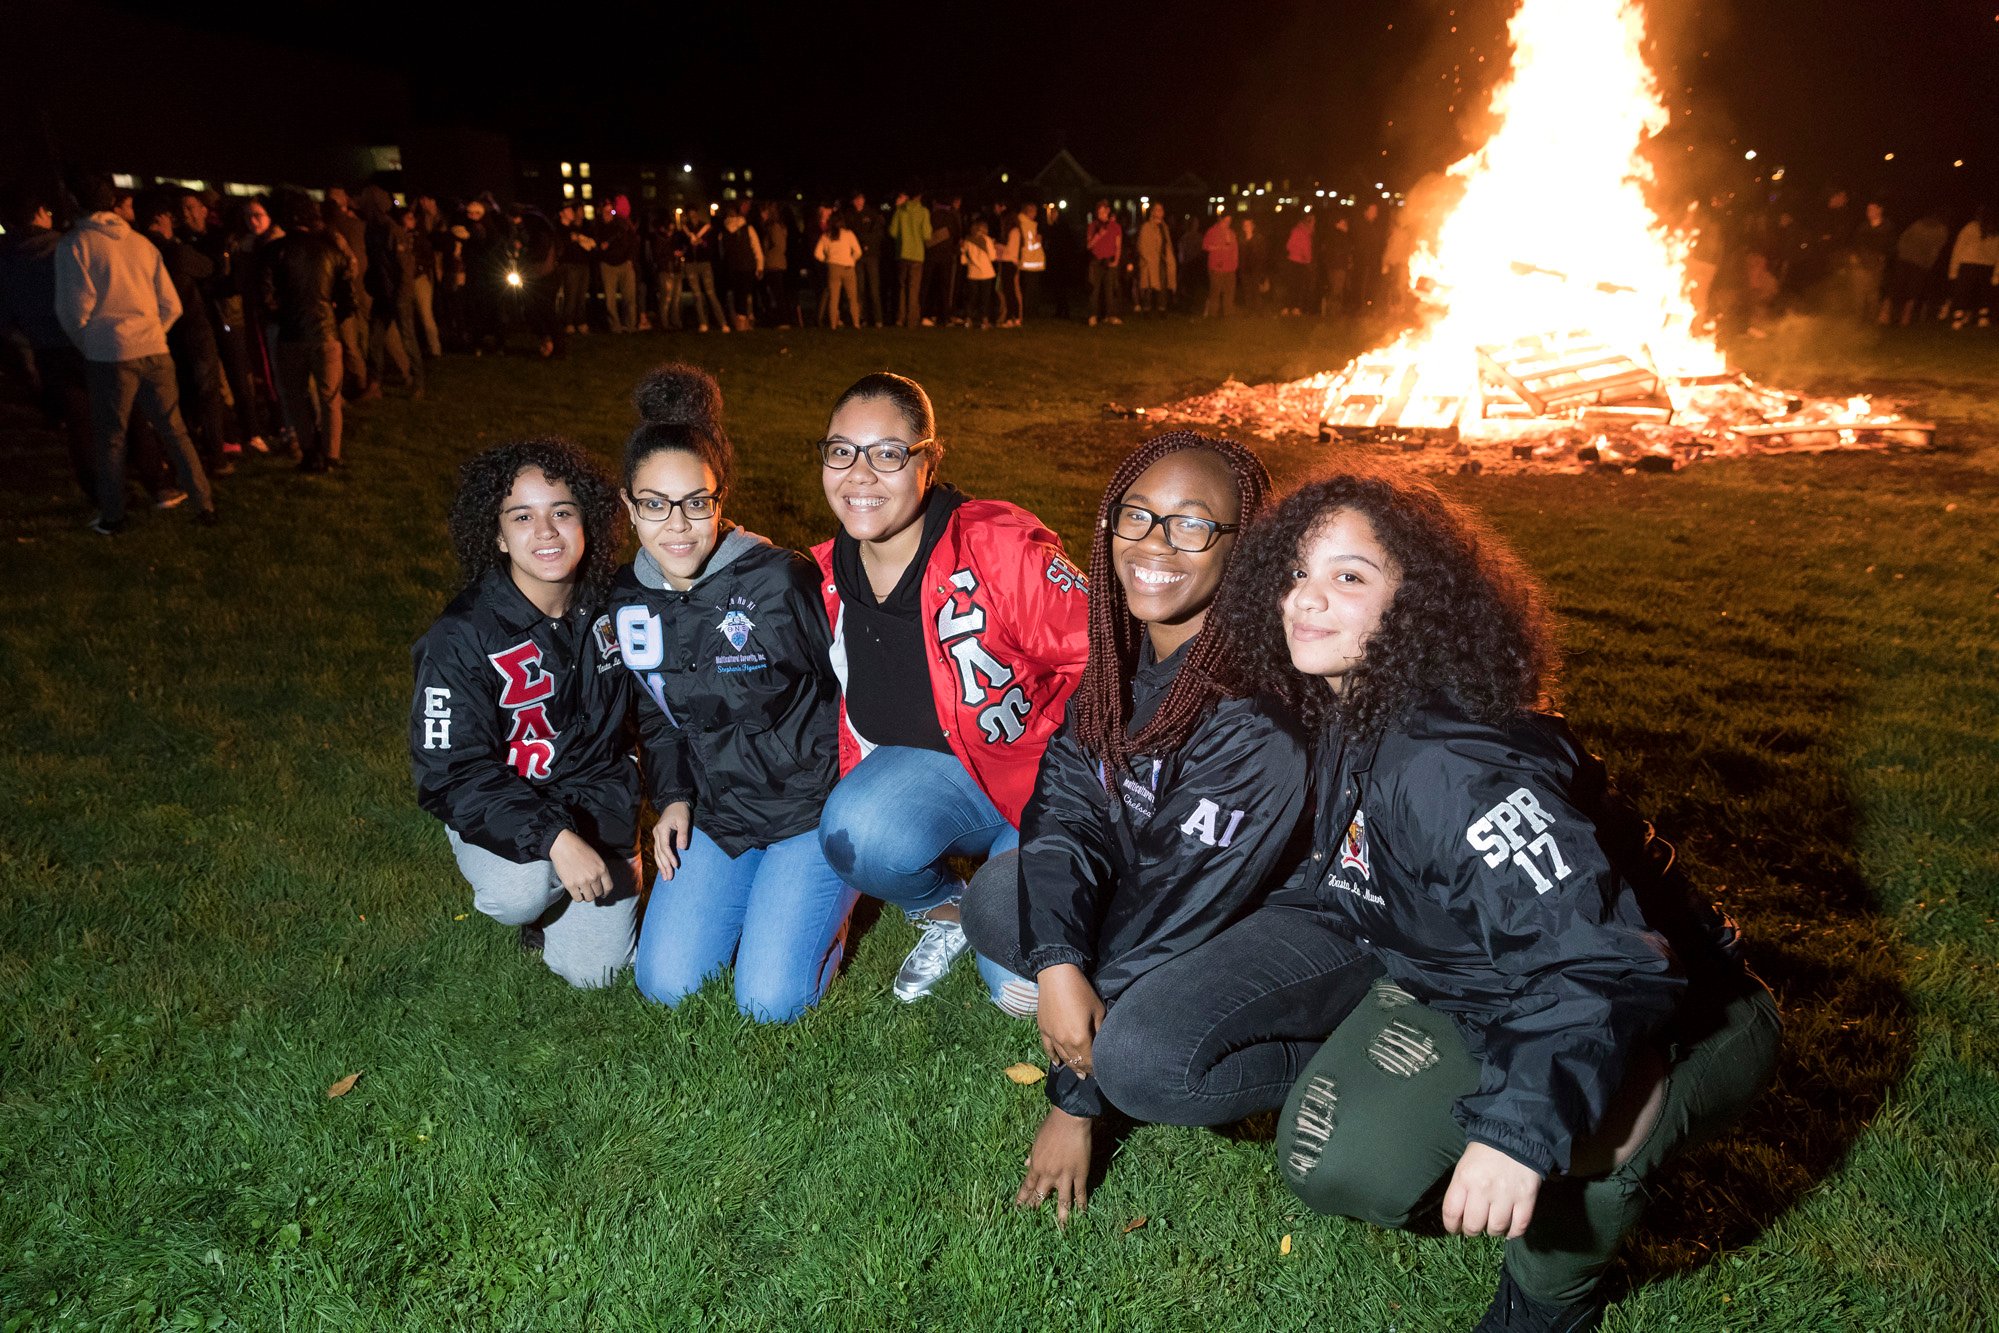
{"points": [[780, 911], [890, 823]]}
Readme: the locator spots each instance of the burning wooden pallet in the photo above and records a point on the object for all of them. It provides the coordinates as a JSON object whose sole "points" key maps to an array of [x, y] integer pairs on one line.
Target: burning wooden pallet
{"points": [[1551, 373], [1385, 396]]}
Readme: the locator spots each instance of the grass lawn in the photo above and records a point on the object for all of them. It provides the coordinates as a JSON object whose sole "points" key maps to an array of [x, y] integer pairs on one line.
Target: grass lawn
{"points": [[217, 898]]}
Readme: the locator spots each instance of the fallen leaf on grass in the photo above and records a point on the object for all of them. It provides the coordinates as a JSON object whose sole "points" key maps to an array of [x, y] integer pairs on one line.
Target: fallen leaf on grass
{"points": [[461, 916], [1025, 1074], [1135, 1224], [1284, 1246], [344, 1086]]}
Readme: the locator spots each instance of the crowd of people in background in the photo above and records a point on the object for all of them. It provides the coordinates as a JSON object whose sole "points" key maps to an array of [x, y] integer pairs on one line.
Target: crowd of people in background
{"points": [[261, 317]]}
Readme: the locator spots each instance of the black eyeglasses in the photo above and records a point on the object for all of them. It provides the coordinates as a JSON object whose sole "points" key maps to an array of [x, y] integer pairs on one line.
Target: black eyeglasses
{"points": [[1184, 532], [654, 509], [882, 456]]}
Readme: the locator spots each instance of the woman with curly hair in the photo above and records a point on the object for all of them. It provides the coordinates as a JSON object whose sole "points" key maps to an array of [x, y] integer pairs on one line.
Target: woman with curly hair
{"points": [[520, 736], [726, 634], [1560, 1013], [1165, 807]]}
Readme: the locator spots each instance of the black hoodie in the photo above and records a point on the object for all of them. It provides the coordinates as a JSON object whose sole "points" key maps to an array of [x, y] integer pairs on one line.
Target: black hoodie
{"points": [[739, 706]]}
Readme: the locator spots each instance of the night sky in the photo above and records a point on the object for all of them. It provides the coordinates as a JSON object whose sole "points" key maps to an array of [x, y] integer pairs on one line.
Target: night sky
{"points": [[1347, 90]]}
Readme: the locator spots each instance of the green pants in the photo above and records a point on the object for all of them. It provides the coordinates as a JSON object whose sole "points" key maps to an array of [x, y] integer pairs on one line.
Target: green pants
{"points": [[1368, 1131]]}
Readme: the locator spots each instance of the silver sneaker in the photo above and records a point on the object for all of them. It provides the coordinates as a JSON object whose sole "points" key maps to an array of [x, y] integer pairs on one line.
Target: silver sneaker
{"points": [[932, 957]]}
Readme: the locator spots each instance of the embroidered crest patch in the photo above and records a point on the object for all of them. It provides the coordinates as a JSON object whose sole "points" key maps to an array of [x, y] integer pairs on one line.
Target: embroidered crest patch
{"points": [[1353, 847], [736, 629]]}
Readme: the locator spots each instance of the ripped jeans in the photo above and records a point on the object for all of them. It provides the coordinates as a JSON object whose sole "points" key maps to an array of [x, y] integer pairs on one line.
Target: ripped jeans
{"points": [[1368, 1132]]}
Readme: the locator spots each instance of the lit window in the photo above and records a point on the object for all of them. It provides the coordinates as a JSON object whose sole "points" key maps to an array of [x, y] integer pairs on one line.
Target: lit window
{"points": [[590, 212], [746, 175], [651, 191], [583, 170], [123, 180], [728, 192], [568, 190], [586, 189], [1003, 178], [728, 175], [567, 168]]}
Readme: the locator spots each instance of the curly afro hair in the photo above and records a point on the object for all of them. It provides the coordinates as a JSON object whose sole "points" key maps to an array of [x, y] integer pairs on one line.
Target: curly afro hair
{"points": [[483, 484], [1467, 621], [1101, 705]]}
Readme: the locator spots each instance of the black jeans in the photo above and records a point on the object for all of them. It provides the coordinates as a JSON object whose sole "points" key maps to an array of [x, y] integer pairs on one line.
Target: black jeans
{"points": [[1206, 1038]]}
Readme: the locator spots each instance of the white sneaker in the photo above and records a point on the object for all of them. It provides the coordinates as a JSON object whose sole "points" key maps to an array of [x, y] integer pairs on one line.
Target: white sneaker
{"points": [[932, 957]]}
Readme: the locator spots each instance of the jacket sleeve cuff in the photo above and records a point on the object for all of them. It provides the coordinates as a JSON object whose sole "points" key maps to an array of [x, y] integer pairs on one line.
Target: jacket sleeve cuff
{"points": [[543, 844], [1054, 955], [1071, 1092], [1506, 1138]]}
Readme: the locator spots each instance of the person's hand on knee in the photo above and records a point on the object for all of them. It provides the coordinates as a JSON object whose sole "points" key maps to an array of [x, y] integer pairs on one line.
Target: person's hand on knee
{"points": [[1490, 1194], [582, 872], [1069, 1012], [670, 837]]}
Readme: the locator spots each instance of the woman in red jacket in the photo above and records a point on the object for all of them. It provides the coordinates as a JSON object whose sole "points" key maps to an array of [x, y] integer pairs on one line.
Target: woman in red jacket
{"points": [[959, 630]]}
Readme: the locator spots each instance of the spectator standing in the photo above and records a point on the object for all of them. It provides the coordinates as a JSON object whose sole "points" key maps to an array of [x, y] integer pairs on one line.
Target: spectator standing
{"points": [[390, 281], [1223, 256], [618, 247], [28, 312], [480, 276], [839, 249], [1032, 256], [668, 244], [741, 257], [776, 238], [1917, 250], [1252, 266], [1299, 272], [1867, 269], [1158, 265], [309, 286], [350, 231], [867, 226], [1105, 243], [191, 338], [572, 270], [423, 281], [533, 248], [940, 260], [1974, 265], [1370, 244], [1006, 262], [980, 256], [1335, 253], [200, 226], [115, 301], [702, 243], [910, 230]]}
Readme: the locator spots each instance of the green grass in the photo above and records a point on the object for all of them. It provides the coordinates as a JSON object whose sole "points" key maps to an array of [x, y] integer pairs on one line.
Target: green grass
{"points": [[218, 899]]}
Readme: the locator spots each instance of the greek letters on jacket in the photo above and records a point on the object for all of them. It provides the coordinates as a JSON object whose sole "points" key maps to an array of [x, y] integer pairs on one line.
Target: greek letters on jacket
{"points": [[1488, 867], [1009, 614], [520, 725], [1197, 839], [738, 705]]}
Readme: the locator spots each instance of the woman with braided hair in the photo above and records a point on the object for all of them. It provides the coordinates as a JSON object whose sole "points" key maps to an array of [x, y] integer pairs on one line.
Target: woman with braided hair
{"points": [[1164, 808]]}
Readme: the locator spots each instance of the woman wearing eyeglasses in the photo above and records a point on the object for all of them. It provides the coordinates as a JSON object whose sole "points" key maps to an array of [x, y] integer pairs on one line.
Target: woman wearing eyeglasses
{"points": [[728, 639], [1166, 807], [959, 630]]}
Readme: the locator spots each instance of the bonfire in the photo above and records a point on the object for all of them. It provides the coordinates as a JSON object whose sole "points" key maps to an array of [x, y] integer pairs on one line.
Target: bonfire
{"points": [[1558, 328]]}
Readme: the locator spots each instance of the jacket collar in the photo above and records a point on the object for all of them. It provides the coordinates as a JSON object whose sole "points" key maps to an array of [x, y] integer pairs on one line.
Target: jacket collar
{"points": [[509, 605]]}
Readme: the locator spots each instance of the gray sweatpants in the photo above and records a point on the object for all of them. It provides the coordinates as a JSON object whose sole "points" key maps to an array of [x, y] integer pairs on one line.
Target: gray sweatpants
{"points": [[583, 943]]}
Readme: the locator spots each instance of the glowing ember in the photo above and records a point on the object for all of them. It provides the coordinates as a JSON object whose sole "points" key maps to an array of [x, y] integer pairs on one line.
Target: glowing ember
{"points": [[1557, 324]]}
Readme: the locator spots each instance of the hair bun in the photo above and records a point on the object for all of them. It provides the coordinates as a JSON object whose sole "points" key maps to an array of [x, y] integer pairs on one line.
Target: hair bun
{"points": [[677, 394]]}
